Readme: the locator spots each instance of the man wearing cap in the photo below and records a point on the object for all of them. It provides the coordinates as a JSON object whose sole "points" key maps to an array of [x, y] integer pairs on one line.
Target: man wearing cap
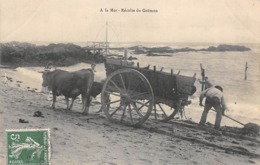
{"points": [[214, 98]]}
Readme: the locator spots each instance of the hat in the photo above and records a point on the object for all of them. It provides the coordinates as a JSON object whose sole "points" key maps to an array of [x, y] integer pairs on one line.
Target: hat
{"points": [[219, 88]]}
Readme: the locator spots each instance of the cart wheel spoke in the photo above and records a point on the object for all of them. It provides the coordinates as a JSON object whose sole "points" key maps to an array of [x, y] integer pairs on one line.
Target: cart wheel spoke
{"points": [[155, 112], [115, 111], [122, 117], [142, 104], [130, 113], [120, 91], [112, 93], [139, 95], [112, 102], [165, 115], [129, 84], [134, 89], [122, 81], [162, 110], [137, 110]]}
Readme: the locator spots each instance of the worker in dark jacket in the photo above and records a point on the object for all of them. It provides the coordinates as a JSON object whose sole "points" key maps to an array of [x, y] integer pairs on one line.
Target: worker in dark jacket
{"points": [[214, 98]]}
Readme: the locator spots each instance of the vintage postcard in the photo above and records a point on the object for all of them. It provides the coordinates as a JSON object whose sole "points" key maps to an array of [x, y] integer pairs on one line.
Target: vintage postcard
{"points": [[124, 82]]}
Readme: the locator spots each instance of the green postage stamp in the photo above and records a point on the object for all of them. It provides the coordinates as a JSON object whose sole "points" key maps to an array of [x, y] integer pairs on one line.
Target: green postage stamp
{"points": [[28, 146]]}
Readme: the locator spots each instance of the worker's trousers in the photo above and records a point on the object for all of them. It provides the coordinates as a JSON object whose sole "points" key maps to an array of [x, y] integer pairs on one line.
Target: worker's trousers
{"points": [[209, 103]]}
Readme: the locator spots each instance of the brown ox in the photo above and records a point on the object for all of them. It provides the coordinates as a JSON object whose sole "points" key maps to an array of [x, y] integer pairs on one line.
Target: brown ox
{"points": [[70, 84]]}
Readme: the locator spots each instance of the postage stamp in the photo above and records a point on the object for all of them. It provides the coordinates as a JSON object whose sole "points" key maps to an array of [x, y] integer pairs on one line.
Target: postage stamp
{"points": [[28, 146]]}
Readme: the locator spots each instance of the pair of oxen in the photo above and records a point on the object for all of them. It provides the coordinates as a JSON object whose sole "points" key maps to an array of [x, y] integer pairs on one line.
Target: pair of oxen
{"points": [[71, 85]]}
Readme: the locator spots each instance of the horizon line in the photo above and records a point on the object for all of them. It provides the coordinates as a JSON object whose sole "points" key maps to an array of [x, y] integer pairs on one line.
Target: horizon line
{"points": [[190, 42]]}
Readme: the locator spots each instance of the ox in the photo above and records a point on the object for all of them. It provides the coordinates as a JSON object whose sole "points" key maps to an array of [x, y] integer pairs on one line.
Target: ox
{"points": [[70, 84], [96, 89]]}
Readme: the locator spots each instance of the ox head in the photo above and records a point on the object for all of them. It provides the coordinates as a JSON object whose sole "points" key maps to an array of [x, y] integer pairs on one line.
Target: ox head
{"points": [[46, 81]]}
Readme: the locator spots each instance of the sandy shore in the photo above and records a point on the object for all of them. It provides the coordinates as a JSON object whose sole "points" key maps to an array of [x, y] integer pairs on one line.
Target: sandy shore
{"points": [[92, 139]]}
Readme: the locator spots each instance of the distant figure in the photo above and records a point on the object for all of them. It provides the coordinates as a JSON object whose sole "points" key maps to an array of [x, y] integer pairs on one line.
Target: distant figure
{"points": [[207, 83], [93, 67], [50, 66], [214, 98]]}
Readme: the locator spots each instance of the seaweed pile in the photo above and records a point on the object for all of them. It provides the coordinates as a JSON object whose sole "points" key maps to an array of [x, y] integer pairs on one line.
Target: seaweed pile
{"points": [[250, 129]]}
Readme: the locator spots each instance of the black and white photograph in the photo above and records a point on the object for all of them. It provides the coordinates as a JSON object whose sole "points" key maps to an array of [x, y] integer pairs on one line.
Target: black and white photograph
{"points": [[129, 82]]}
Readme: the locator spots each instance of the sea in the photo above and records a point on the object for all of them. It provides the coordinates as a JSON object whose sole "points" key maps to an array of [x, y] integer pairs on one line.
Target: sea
{"points": [[226, 69]]}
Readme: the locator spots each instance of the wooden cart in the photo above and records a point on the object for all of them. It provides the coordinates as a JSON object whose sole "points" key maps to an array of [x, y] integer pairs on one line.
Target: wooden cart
{"points": [[131, 94]]}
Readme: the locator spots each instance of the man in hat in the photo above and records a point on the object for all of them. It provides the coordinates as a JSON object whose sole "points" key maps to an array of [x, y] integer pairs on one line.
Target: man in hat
{"points": [[214, 98]]}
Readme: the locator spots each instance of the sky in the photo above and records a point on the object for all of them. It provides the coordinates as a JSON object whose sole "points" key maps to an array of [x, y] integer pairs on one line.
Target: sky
{"points": [[184, 21]]}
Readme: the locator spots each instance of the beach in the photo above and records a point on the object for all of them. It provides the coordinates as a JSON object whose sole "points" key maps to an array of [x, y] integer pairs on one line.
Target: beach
{"points": [[92, 139]]}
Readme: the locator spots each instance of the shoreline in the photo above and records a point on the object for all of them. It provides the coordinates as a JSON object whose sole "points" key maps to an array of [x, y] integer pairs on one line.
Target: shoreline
{"points": [[31, 78]]}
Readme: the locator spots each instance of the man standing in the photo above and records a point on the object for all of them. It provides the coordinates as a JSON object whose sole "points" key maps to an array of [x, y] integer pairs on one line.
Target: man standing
{"points": [[206, 82], [214, 98]]}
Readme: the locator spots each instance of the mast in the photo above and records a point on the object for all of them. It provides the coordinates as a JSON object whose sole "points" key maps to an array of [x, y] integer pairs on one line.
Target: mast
{"points": [[106, 39]]}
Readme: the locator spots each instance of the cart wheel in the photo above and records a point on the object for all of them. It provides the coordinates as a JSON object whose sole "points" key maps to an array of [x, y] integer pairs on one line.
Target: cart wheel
{"points": [[161, 114], [127, 97]]}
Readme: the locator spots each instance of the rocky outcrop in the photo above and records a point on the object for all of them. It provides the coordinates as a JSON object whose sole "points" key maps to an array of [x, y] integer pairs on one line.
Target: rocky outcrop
{"points": [[17, 53], [162, 51], [223, 48]]}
